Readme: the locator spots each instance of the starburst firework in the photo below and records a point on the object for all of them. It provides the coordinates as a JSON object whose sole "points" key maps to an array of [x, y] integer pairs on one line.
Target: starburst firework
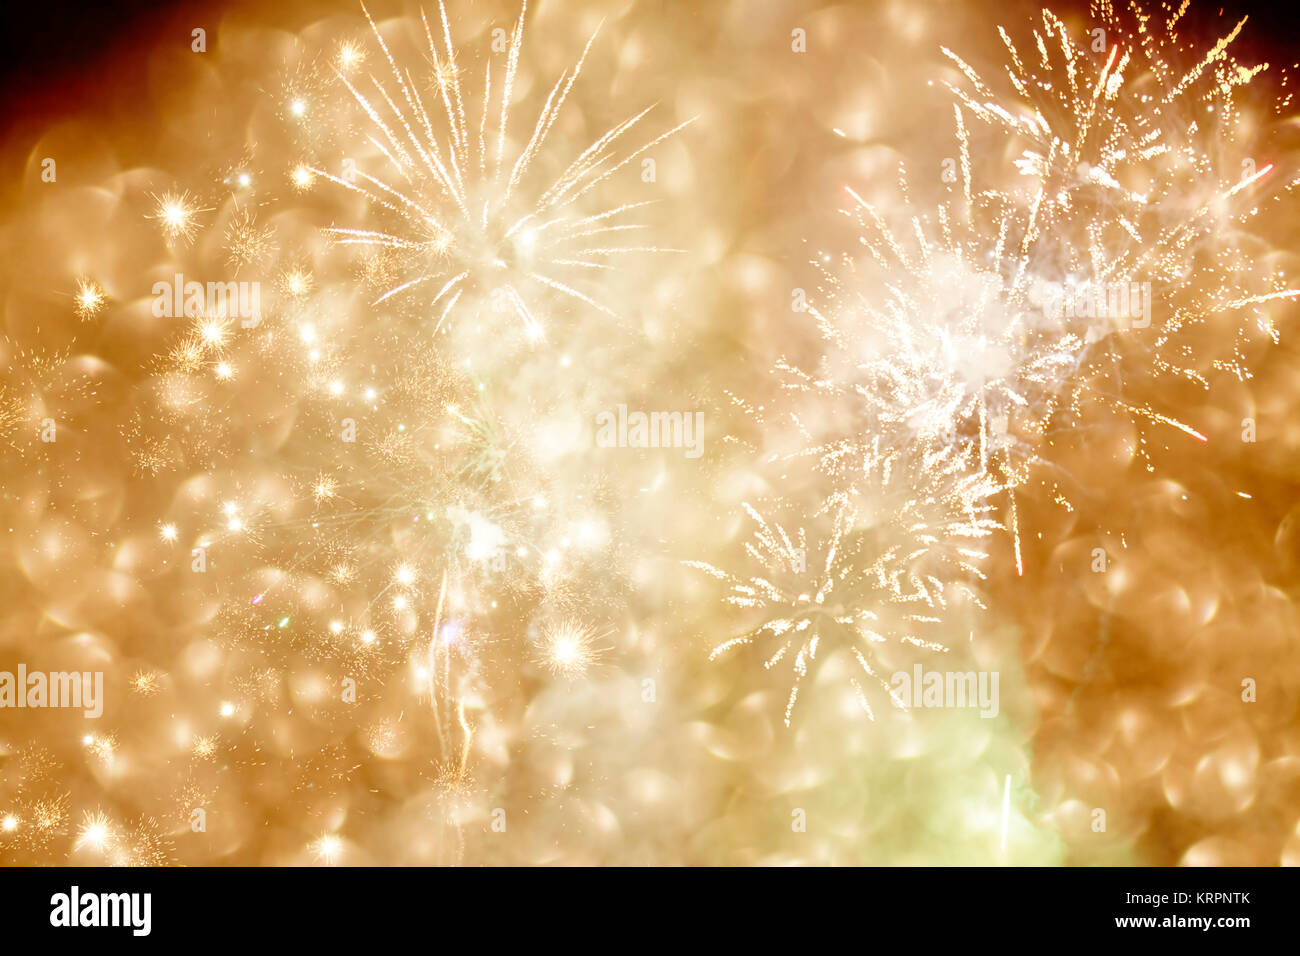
{"points": [[1136, 164], [479, 219], [890, 557]]}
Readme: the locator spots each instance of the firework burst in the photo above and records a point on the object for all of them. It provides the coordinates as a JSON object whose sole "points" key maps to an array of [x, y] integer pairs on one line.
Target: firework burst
{"points": [[940, 342], [1122, 224], [885, 561], [479, 219], [567, 648], [1137, 163]]}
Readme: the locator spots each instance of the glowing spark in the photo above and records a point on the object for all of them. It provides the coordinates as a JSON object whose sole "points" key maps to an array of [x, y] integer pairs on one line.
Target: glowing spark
{"points": [[567, 649], [350, 56], [177, 215], [90, 299], [327, 849], [96, 833], [247, 243], [297, 282], [146, 683], [325, 488], [302, 178], [872, 577], [213, 332]]}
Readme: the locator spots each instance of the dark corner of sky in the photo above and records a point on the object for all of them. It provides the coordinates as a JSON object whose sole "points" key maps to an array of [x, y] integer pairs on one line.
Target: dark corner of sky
{"points": [[68, 56]]}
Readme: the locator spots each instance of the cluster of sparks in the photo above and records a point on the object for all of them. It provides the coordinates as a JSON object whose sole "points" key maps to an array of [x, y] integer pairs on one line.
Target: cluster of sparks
{"points": [[441, 532], [938, 340], [413, 558]]}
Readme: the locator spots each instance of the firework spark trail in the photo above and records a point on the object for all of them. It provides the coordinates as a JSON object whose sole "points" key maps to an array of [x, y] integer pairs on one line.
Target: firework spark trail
{"points": [[466, 231], [1076, 220], [443, 699], [1170, 132]]}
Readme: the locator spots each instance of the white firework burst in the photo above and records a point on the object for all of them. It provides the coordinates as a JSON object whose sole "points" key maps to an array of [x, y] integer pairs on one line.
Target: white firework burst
{"points": [[976, 331], [943, 342], [1136, 163], [886, 563], [478, 218]]}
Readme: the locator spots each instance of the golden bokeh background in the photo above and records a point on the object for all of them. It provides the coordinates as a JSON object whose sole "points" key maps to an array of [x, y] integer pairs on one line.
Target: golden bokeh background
{"points": [[1121, 692]]}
